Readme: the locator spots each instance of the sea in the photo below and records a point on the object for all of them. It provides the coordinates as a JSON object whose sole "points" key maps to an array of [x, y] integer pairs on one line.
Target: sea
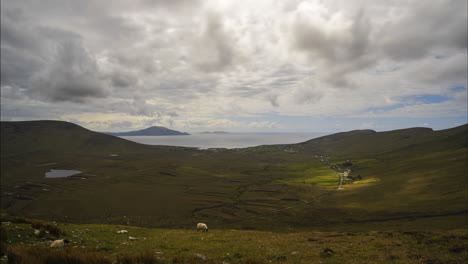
{"points": [[225, 140]]}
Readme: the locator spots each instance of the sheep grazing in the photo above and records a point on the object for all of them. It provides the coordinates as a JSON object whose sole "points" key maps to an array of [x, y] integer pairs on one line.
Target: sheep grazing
{"points": [[59, 243], [122, 232], [202, 227]]}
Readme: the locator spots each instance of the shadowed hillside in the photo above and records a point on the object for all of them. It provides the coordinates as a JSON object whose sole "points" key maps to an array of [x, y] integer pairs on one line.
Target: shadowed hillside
{"points": [[404, 179], [369, 142], [59, 137]]}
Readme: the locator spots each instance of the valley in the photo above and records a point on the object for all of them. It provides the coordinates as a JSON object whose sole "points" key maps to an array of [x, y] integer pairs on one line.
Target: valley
{"points": [[360, 181]]}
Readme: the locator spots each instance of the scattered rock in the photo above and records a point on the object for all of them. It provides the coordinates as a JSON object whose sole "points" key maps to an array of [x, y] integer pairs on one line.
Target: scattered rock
{"points": [[122, 232], [132, 238], [202, 257], [327, 252]]}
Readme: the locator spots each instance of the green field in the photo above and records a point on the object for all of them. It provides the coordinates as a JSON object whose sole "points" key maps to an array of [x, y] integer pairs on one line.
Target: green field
{"points": [[399, 181]]}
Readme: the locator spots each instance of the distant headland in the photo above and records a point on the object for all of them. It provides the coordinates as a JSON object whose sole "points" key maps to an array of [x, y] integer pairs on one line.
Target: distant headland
{"points": [[150, 131]]}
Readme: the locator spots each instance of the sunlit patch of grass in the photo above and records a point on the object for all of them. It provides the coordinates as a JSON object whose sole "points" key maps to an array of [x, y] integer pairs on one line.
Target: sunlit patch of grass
{"points": [[314, 173], [366, 181], [321, 177]]}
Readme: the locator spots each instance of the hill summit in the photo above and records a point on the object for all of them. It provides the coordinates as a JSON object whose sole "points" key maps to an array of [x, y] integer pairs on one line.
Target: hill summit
{"points": [[150, 131]]}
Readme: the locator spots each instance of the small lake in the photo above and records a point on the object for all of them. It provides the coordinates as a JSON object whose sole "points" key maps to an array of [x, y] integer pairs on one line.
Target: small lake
{"points": [[229, 140], [61, 173]]}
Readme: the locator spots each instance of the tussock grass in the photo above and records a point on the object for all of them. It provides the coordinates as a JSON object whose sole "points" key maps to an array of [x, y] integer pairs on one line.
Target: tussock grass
{"points": [[20, 254], [147, 257], [45, 227]]}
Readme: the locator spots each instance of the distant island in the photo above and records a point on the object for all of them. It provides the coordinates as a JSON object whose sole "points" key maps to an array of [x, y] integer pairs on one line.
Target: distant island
{"points": [[214, 132], [150, 131]]}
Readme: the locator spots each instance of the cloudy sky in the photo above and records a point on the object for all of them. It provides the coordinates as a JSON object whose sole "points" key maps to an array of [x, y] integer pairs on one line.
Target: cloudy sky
{"points": [[264, 65]]}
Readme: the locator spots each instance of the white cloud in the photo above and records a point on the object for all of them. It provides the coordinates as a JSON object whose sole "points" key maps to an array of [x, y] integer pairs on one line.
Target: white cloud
{"points": [[195, 64]]}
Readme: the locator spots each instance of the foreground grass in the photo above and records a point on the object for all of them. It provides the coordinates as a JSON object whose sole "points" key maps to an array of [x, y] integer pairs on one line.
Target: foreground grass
{"points": [[101, 244]]}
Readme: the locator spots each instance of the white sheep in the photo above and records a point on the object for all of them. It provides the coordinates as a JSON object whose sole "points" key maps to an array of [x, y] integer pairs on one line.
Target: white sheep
{"points": [[202, 227], [59, 243], [122, 232]]}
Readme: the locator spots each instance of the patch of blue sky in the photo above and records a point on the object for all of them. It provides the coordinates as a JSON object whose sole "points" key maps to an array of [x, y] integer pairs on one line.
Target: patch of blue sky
{"points": [[384, 108], [425, 99], [458, 89], [440, 57]]}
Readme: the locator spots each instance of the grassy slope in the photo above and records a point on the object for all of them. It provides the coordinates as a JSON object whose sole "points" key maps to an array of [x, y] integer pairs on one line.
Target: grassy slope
{"points": [[413, 179], [413, 173]]}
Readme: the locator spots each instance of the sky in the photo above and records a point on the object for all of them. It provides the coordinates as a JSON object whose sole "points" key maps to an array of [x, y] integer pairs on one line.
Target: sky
{"points": [[238, 66]]}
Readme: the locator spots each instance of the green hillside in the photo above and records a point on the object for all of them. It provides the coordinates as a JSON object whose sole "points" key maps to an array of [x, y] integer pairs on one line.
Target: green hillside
{"points": [[399, 180]]}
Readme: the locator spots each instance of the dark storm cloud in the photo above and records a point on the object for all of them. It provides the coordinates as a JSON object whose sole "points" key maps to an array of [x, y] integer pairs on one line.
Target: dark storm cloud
{"points": [[48, 63], [122, 79], [424, 27], [21, 49], [216, 48], [47, 46], [15, 31], [335, 46], [17, 67], [71, 75], [342, 52]]}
